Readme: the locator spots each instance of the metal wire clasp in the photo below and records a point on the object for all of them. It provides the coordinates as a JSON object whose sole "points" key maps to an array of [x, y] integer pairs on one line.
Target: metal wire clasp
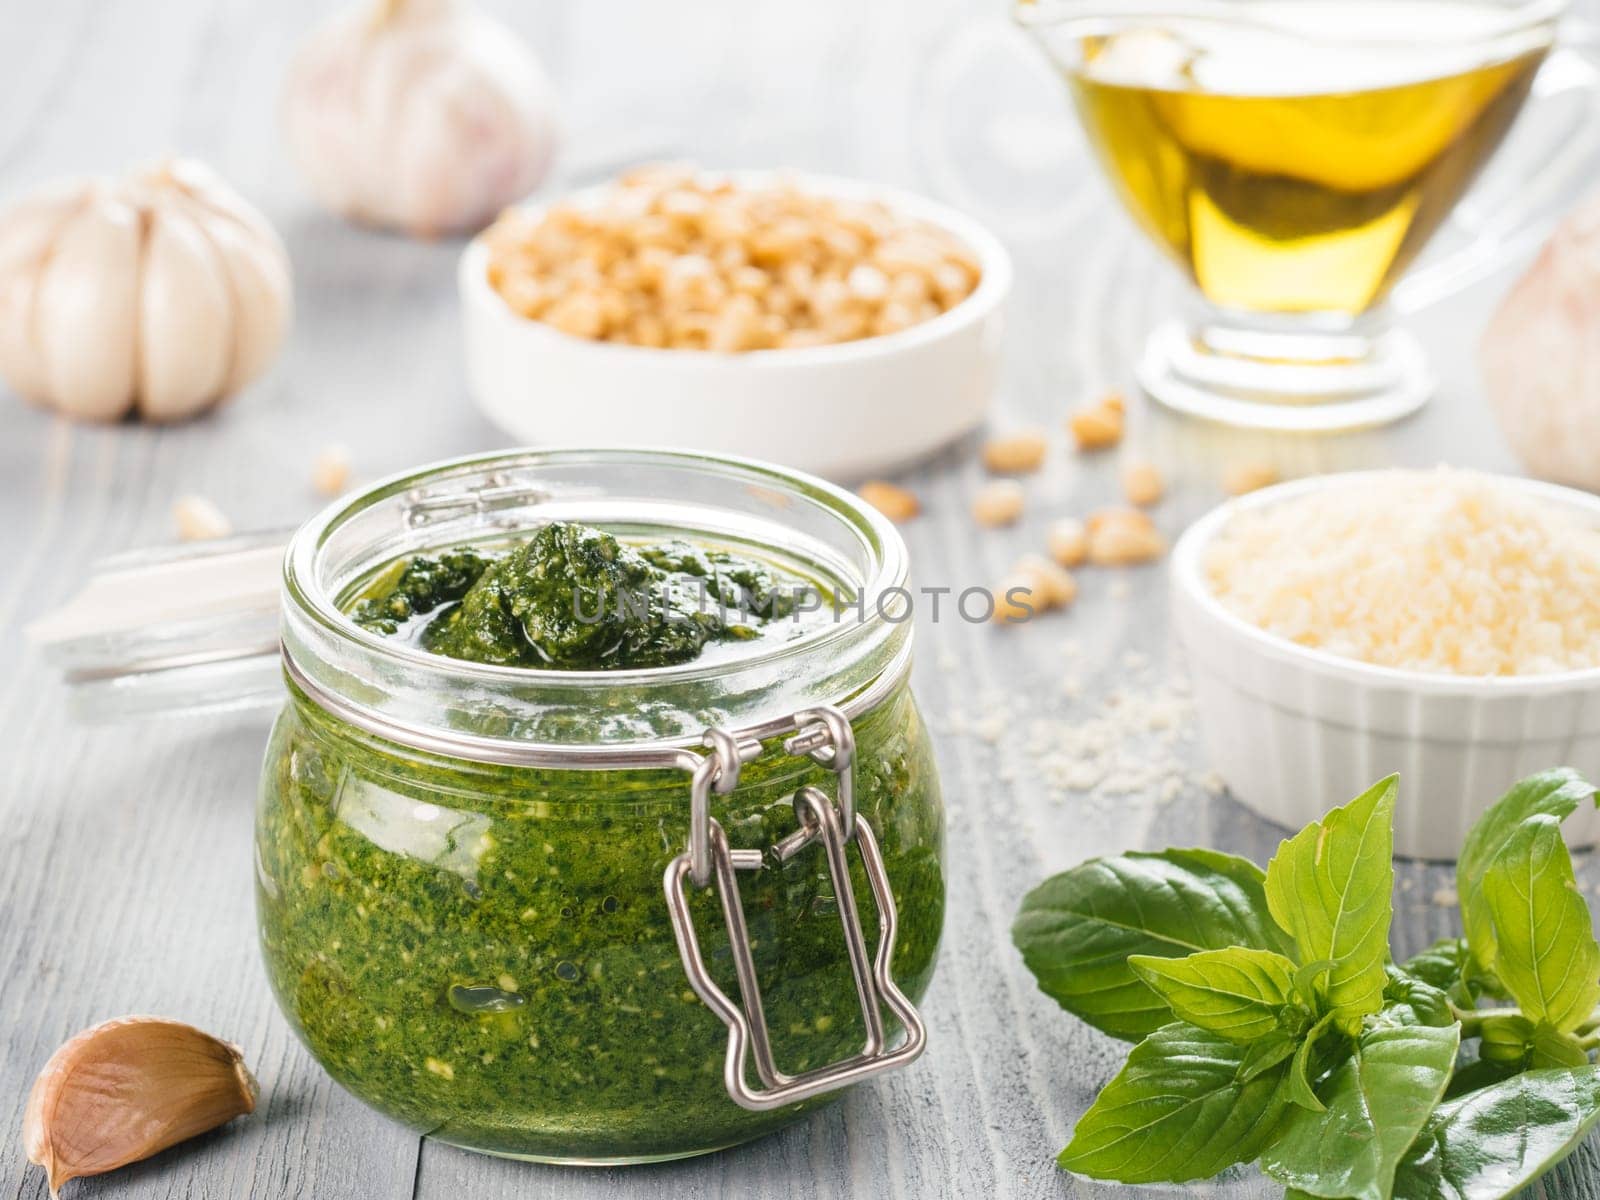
{"points": [[823, 735], [499, 495]]}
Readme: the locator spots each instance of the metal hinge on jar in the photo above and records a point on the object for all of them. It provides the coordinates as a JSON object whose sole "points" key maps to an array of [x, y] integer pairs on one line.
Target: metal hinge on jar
{"points": [[823, 735], [500, 494]]}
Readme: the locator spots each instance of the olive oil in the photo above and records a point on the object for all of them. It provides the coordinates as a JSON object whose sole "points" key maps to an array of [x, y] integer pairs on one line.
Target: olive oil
{"points": [[1299, 162]]}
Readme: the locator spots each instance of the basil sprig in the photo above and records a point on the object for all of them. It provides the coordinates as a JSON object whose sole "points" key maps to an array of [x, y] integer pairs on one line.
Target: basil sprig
{"points": [[1272, 1025]]}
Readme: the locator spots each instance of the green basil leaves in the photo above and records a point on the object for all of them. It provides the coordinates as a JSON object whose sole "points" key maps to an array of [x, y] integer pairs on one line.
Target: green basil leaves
{"points": [[1377, 1100], [1178, 1110], [1330, 887], [1544, 947], [1078, 930], [1276, 1027], [1238, 993], [1498, 1139]]}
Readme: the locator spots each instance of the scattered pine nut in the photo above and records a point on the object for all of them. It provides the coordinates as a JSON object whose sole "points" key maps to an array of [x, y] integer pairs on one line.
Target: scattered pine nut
{"points": [[891, 500], [1099, 426], [998, 503], [1142, 483], [199, 519], [1015, 600], [1017, 454], [1053, 586], [330, 470], [1246, 476], [1068, 542], [1123, 536]]}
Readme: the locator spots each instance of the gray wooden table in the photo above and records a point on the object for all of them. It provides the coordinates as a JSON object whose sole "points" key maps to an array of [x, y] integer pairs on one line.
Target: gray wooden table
{"points": [[125, 881]]}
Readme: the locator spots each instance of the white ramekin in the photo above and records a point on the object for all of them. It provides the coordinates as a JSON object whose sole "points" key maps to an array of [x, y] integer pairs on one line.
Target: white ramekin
{"points": [[844, 411], [1294, 732]]}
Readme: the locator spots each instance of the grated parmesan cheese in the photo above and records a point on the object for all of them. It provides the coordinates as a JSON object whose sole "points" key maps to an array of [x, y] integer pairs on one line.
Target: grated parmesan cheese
{"points": [[1135, 745], [1444, 571]]}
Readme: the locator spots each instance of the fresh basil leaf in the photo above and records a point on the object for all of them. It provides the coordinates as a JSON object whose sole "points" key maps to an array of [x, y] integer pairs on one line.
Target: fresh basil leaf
{"points": [[1302, 1089], [1308, 982], [1506, 1041], [1514, 1043], [1469, 1077], [1331, 887], [1448, 964], [1557, 794], [1442, 965], [1261, 1056], [1237, 992], [1498, 1139], [1078, 929], [1177, 1111], [1553, 1048], [1377, 1101], [1545, 948], [1409, 1001]]}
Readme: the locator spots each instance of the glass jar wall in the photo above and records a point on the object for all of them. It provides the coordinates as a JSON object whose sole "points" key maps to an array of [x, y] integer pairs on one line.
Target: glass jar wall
{"points": [[483, 950]]}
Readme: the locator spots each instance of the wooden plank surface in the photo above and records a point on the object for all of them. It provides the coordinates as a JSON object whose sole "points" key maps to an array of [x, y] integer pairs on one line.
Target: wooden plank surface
{"points": [[124, 850]]}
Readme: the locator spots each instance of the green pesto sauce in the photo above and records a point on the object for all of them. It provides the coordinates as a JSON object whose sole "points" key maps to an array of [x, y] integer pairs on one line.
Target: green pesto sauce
{"points": [[572, 597], [484, 953]]}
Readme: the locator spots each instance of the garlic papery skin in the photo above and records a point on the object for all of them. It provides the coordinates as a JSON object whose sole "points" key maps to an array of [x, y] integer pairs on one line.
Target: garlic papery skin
{"points": [[159, 294], [419, 115], [1540, 356], [129, 1088]]}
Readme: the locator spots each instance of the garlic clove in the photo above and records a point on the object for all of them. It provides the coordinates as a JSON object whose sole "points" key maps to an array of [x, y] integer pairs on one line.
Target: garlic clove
{"points": [[26, 236], [259, 291], [253, 264], [20, 360], [431, 190], [262, 310], [200, 185], [32, 225], [129, 1088], [86, 311], [186, 321]]}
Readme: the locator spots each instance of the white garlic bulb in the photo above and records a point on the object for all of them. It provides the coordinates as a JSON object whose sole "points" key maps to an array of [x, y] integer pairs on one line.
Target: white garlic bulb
{"points": [[419, 115], [1541, 356], [160, 294]]}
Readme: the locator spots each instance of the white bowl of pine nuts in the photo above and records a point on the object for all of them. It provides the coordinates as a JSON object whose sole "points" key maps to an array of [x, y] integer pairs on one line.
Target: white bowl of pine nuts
{"points": [[834, 326]]}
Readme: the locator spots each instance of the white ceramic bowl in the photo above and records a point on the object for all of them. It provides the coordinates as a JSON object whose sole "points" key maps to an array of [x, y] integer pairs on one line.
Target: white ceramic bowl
{"points": [[845, 411], [1294, 732]]}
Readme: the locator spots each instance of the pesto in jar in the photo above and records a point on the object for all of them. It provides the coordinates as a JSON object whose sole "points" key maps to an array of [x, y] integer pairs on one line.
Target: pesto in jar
{"points": [[485, 953], [572, 597]]}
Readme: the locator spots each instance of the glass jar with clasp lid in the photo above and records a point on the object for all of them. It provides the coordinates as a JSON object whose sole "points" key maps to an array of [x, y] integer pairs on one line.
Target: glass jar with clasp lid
{"points": [[611, 914]]}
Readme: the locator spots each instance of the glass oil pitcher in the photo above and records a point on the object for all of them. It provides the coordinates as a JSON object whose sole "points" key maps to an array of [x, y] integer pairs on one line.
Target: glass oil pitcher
{"points": [[1294, 158]]}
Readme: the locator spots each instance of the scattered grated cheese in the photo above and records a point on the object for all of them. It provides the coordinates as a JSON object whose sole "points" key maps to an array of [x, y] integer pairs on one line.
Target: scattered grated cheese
{"points": [[1135, 746], [1446, 571]]}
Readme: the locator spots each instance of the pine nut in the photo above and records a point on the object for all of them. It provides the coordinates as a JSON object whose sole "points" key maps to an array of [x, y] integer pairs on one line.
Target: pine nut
{"points": [[1015, 601], [1068, 542], [330, 470], [1099, 426], [892, 501], [199, 519], [1017, 454], [1122, 537], [998, 503], [1052, 585], [1142, 483]]}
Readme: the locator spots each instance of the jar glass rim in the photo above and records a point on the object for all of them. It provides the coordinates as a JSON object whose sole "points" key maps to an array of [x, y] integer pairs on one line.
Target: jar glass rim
{"points": [[445, 502]]}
